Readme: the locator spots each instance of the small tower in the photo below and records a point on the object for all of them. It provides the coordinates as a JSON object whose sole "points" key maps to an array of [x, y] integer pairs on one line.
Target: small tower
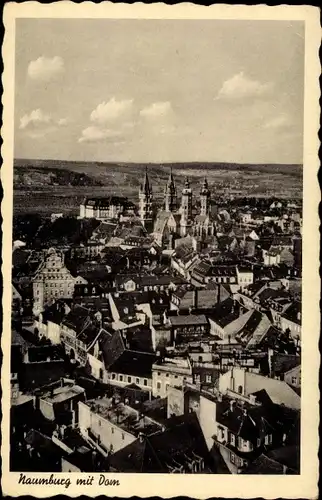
{"points": [[186, 208], [204, 198], [170, 195], [145, 201]]}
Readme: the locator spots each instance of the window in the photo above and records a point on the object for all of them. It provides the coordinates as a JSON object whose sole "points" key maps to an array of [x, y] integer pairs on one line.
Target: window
{"points": [[240, 389], [258, 442], [99, 423], [232, 458], [121, 378], [268, 439], [122, 436], [232, 440], [159, 385], [145, 382], [294, 380], [112, 430], [113, 376], [129, 379], [137, 380], [208, 378]]}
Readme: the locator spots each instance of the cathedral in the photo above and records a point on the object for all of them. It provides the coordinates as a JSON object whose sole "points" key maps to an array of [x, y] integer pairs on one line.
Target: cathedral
{"points": [[176, 220]]}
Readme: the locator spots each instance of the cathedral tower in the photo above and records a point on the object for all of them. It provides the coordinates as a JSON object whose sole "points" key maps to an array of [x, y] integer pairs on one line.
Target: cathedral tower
{"points": [[145, 201], [204, 198], [186, 208], [170, 195]]}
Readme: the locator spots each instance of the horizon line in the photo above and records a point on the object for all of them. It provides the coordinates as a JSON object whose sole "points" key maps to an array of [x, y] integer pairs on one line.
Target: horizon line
{"points": [[197, 162]]}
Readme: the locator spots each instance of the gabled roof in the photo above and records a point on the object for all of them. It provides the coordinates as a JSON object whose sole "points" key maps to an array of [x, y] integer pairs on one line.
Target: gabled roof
{"points": [[112, 346], [191, 319], [77, 318], [293, 312], [265, 465], [282, 363], [182, 441], [134, 363]]}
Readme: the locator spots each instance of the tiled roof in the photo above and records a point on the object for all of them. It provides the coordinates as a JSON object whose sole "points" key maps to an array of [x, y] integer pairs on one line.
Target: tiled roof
{"points": [[180, 443], [265, 465], [77, 318], [134, 363], [190, 319], [293, 312], [288, 456], [282, 363]]}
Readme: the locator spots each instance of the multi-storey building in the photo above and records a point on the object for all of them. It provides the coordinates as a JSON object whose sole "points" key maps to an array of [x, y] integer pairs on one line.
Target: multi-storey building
{"points": [[53, 281]]}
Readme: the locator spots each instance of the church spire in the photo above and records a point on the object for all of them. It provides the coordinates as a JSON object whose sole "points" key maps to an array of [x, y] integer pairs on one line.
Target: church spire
{"points": [[170, 194], [146, 186], [145, 200]]}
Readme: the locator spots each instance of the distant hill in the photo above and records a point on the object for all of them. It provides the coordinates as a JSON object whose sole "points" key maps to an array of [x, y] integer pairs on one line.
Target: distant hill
{"points": [[98, 168], [47, 186]]}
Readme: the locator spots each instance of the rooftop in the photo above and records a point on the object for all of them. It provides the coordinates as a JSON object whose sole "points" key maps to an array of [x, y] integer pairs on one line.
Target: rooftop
{"points": [[123, 416], [190, 319], [61, 391]]}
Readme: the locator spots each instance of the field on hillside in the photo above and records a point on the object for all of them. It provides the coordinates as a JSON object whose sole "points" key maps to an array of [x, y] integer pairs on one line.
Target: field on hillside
{"points": [[46, 186]]}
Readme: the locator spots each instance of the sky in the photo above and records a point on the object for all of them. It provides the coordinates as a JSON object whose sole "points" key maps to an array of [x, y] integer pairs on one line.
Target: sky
{"points": [[159, 90]]}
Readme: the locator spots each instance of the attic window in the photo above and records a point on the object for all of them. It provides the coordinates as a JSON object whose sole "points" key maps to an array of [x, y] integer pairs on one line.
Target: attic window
{"points": [[126, 310]]}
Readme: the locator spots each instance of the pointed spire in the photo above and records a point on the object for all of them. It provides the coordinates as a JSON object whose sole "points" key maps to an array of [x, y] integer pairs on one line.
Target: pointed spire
{"points": [[146, 187], [187, 183], [171, 184]]}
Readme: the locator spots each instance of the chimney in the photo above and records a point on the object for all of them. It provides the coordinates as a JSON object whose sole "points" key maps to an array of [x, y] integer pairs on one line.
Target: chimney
{"points": [[252, 399], [232, 405], [195, 299], [218, 294], [141, 437]]}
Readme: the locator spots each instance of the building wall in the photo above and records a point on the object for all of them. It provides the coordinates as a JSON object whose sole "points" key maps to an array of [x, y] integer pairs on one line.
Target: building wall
{"points": [[162, 379], [245, 383], [110, 434], [97, 367], [175, 402], [293, 377], [294, 328], [53, 281], [53, 332], [122, 380], [47, 409], [68, 467], [207, 419]]}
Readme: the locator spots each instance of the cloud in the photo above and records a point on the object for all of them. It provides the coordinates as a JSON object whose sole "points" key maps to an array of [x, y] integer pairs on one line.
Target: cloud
{"points": [[281, 121], [62, 121], [38, 124], [157, 110], [36, 118], [111, 110], [240, 86], [96, 134], [45, 68]]}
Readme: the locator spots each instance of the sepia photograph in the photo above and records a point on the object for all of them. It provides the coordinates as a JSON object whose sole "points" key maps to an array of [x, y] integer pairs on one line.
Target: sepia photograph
{"points": [[157, 248]]}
